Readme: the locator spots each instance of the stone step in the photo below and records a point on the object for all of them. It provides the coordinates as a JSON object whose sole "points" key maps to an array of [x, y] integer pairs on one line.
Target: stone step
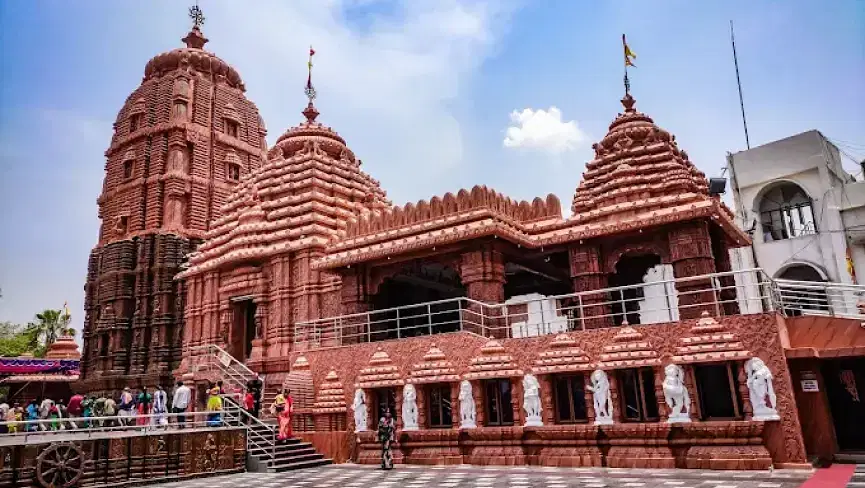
{"points": [[312, 463], [284, 450]]}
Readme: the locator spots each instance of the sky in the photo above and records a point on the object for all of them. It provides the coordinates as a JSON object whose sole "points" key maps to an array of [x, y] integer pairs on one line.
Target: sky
{"points": [[432, 95]]}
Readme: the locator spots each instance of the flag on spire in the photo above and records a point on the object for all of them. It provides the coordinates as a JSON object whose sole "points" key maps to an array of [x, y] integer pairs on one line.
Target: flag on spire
{"points": [[310, 91], [629, 55]]}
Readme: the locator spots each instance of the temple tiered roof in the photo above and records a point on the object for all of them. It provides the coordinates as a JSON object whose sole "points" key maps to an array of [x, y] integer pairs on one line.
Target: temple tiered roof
{"points": [[435, 368], [308, 190], [639, 179], [562, 355], [629, 350], [299, 380], [710, 342], [493, 362], [195, 56], [331, 395], [381, 372]]}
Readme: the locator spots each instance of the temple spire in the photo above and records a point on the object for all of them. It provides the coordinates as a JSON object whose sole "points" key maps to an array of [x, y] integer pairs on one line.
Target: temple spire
{"points": [[195, 39], [310, 112]]}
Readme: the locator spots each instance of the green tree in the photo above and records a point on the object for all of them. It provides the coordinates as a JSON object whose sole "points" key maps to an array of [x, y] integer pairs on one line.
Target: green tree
{"points": [[14, 340], [49, 325]]}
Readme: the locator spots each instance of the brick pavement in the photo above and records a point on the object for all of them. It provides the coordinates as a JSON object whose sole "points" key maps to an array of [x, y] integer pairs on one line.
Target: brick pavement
{"points": [[409, 476]]}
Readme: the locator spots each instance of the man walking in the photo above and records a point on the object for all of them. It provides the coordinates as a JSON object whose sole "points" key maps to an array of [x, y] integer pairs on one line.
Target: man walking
{"points": [[180, 402]]}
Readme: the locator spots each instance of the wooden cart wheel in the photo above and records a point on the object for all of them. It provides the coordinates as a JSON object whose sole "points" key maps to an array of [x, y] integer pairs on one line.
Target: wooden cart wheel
{"points": [[60, 466]]}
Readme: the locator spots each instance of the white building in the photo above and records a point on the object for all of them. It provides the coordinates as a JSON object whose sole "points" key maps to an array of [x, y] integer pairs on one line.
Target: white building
{"points": [[806, 214]]}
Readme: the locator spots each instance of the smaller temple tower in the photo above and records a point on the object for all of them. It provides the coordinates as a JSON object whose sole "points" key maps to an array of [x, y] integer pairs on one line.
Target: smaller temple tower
{"points": [[181, 142]]}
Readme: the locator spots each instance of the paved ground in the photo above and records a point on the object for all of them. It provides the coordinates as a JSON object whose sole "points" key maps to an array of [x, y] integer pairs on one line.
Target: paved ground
{"points": [[858, 479], [405, 476]]}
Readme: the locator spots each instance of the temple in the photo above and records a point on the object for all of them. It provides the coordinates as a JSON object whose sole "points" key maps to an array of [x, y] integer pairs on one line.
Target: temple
{"points": [[497, 331], [181, 142]]}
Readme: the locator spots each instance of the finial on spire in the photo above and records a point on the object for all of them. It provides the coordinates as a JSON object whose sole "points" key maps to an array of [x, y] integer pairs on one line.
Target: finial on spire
{"points": [[629, 61], [195, 39], [309, 90]]}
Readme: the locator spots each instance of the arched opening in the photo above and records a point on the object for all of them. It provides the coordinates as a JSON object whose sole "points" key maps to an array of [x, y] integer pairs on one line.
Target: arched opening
{"points": [[417, 285], [799, 298], [786, 211], [630, 271], [532, 282]]}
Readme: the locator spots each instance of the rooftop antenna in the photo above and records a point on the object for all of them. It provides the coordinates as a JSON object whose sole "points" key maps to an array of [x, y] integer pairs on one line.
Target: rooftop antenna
{"points": [[739, 84]]}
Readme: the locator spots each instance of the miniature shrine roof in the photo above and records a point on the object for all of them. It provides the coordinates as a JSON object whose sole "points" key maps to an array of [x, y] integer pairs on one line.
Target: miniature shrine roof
{"points": [[331, 395], [639, 179], [492, 362], [381, 372], [629, 350], [710, 342], [435, 368], [562, 355], [307, 191]]}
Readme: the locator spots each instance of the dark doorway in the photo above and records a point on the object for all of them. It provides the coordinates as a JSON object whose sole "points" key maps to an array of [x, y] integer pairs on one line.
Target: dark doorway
{"points": [[384, 399], [630, 270], [417, 285], [845, 388], [242, 329]]}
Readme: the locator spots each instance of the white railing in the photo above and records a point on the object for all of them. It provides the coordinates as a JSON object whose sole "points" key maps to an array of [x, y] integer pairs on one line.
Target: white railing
{"points": [[234, 374], [84, 428], [667, 300]]}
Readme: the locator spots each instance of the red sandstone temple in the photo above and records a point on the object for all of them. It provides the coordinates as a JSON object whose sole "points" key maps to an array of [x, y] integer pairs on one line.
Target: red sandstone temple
{"points": [[499, 332]]}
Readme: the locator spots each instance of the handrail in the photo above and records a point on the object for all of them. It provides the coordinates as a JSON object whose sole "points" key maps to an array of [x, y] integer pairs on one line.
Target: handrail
{"points": [[269, 444]]}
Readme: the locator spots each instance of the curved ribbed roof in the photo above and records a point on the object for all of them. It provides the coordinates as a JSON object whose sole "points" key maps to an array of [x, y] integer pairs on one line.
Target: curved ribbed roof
{"points": [[637, 164], [196, 57]]}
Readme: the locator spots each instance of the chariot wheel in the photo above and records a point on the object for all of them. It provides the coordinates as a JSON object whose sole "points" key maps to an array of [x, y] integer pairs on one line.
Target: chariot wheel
{"points": [[60, 466]]}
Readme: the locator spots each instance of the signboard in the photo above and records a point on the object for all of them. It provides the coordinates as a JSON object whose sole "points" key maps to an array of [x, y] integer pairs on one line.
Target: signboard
{"points": [[809, 382]]}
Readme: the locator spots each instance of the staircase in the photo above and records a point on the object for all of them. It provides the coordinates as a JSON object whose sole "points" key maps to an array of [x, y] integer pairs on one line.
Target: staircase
{"points": [[263, 451], [293, 454]]}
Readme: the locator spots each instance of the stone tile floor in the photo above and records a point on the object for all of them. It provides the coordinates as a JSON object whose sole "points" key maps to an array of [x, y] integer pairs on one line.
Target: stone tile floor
{"points": [[858, 479], [409, 476]]}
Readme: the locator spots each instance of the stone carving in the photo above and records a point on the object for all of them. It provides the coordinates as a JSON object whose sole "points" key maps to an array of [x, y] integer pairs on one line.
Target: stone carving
{"points": [[409, 408], [360, 413], [532, 401], [676, 394], [603, 402], [761, 391], [468, 413]]}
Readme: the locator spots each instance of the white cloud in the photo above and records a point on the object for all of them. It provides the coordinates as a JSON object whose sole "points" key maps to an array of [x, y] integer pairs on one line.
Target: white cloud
{"points": [[543, 130]]}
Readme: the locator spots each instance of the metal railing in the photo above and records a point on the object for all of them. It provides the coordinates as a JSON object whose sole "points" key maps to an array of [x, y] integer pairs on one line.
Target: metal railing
{"points": [[262, 438], [666, 300], [85, 428], [231, 371]]}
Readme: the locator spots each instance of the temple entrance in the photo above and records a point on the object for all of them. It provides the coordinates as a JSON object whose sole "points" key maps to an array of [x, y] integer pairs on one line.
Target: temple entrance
{"points": [[393, 317], [630, 271], [242, 330], [845, 389]]}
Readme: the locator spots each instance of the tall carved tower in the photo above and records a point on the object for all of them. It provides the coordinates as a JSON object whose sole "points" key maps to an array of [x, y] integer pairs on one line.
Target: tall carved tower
{"points": [[181, 142]]}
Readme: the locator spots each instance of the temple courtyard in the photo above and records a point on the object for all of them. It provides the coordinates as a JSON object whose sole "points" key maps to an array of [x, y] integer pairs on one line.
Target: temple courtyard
{"points": [[412, 476]]}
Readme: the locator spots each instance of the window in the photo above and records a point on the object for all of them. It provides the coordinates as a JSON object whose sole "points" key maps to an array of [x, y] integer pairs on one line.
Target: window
{"points": [[638, 400], [135, 122], [128, 169], [570, 398], [233, 171], [231, 128], [103, 344], [718, 391], [439, 401], [180, 108], [384, 398], [786, 211], [497, 399]]}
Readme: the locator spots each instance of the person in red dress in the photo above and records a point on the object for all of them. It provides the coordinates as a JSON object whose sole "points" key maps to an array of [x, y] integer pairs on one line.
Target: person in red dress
{"points": [[284, 418]]}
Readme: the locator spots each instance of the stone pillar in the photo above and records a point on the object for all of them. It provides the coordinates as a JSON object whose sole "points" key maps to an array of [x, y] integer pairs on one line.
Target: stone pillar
{"points": [[517, 401], [483, 273], [547, 399], [589, 396], [663, 411], [259, 343], [478, 394], [728, 282], [456, 417], [691, 254], [354, 299], [587, 274]]}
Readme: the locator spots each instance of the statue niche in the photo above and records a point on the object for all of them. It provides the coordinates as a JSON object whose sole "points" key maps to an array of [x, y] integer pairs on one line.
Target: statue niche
{"points": [[532, 401], [409, 408], [676, 394], [174, 216], [468, 412], [603, 402], [178, 162], [359, 409]]}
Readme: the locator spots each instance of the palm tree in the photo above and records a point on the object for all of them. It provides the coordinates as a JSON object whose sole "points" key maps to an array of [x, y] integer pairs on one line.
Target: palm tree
{"points": [[49, 325]]}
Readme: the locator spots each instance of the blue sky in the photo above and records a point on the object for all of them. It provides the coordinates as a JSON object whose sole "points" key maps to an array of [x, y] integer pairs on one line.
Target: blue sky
{"points": [[423, 91]]}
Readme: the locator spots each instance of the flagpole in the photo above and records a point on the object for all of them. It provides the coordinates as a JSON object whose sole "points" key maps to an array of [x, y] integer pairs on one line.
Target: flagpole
{"points": [[738, 84], [625, 52]]}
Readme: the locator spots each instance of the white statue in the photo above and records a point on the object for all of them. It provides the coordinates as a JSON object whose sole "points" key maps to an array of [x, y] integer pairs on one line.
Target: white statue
{"points": [[409, 408], [532, 401], [601, 393], [468, 413], [676, 394], [763, 399], [359, 407]]}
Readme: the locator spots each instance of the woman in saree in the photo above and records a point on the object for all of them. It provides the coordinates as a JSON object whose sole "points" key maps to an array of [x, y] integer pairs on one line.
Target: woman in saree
{"points": [[386, 431], [214, 406], [145, 400], [283, 418]]}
